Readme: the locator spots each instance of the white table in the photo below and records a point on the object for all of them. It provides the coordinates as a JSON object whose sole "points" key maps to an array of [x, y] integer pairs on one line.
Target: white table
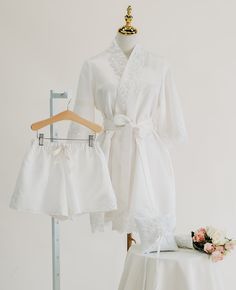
{"points": [[181, 270]]}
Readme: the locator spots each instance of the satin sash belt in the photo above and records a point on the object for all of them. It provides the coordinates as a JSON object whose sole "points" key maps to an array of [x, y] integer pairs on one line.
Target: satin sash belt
{"points": [[119, 121]]}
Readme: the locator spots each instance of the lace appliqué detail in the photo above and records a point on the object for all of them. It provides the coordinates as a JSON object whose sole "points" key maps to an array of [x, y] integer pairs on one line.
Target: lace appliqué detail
{"points": [[127, 71], [117, 59]]}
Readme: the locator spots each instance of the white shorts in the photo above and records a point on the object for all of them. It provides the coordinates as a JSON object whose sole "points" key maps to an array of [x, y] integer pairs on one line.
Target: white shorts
{"points": [[64, 180]]}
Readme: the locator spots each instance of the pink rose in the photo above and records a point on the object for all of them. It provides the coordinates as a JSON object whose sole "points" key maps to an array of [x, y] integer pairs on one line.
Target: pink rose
{"points": [[209, 248], [199, 235], [230, 245], [217, 256], [202, 230]]}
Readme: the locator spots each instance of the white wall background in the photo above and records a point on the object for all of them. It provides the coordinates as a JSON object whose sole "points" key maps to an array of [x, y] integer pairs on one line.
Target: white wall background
{"points": [[43, 44]]}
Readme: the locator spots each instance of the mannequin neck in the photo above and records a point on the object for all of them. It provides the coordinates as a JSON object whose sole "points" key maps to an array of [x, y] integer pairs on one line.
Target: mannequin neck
{"points": [[126, 42]]}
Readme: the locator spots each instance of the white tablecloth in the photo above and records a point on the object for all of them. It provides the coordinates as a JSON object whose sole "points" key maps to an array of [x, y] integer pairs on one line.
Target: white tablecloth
{"points": [[181, 270]]}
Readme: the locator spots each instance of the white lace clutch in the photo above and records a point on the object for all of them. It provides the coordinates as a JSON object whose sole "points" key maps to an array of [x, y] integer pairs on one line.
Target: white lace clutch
{"points": [[167, 244], [156, 233], [184, 241]]}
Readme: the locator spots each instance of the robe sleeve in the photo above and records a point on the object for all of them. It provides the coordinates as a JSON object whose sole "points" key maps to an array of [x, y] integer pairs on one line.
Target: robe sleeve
{"points": [[169, 119], [84, 103]]}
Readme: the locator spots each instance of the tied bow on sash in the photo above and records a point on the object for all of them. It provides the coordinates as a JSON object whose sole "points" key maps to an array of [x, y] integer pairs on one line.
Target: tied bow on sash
{"points": [[120, 121]]}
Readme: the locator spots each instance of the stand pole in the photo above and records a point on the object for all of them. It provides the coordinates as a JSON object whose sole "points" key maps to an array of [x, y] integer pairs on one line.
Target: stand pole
{"points": [[130, 240], [55, 222]]}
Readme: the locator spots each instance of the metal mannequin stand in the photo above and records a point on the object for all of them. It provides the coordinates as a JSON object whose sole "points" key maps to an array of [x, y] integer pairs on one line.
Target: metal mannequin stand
{"points": [[55, 222]]}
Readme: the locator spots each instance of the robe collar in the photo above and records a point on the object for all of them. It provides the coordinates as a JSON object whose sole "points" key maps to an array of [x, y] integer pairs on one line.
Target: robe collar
{"points": [[121, 63], [128, 71]]}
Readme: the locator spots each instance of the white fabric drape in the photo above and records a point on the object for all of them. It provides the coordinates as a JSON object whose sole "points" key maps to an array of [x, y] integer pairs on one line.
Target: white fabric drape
{"points": [[181, 270]]}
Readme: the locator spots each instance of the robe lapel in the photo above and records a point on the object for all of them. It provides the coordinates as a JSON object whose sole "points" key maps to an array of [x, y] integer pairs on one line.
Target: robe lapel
{"points": [[127, 71]]}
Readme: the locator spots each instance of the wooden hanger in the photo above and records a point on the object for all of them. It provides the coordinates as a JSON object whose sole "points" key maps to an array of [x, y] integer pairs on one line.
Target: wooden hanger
{"points": [[66, 115]]}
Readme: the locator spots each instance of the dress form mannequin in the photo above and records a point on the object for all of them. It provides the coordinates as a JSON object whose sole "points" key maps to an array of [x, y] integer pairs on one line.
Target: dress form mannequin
{"points": [[126, 42], [127, 39]]}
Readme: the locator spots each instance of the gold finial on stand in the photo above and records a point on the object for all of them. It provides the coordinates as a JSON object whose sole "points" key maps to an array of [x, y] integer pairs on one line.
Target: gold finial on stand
{"points": [[128, 29]]}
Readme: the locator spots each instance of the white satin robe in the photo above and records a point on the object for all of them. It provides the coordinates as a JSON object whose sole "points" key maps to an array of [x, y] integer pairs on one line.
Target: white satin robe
{"points": [[139, 103]]}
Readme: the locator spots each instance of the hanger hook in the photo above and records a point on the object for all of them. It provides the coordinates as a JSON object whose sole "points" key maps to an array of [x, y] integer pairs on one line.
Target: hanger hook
{"points": [[68, 104]]}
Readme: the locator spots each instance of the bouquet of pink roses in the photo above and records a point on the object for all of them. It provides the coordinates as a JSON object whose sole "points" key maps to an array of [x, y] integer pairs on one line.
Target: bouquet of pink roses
{"points": [[212, 242]]}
